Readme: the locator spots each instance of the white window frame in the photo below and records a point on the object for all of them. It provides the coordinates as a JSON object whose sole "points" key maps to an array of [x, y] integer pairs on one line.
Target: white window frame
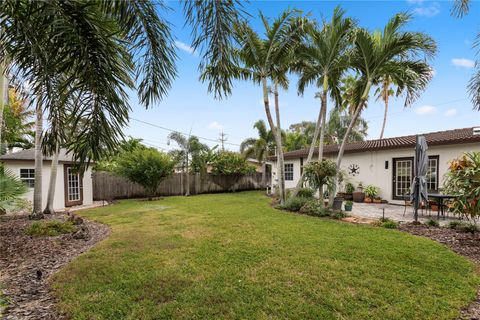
{"points": [[28, 177], [289, 172]]}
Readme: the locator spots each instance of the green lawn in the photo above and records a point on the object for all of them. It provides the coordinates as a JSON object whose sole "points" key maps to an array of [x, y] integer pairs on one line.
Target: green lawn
{"points": [[231, 256]]}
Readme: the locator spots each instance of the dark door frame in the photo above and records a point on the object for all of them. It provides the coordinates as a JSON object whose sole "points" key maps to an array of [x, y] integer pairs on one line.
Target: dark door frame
{"points": [[65, 186], [394, 175]]}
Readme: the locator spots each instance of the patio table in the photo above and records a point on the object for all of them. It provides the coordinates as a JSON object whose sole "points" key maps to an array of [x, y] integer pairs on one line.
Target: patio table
{"points": [[440, 198]]}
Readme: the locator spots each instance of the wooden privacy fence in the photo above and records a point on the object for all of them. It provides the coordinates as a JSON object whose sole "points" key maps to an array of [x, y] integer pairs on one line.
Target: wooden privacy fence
{"points": [[107, 186]]}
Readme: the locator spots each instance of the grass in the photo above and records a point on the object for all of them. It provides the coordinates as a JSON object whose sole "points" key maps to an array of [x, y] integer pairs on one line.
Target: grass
{"points": [[232, 256], [50, 228]]}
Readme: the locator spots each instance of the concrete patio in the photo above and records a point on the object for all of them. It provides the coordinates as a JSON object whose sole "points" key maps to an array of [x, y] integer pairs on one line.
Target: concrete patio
{"points": [[395, 212]]}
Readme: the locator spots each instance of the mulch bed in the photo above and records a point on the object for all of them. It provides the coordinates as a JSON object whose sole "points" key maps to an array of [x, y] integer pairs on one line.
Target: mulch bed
{"points": [[27, 262], [463, 243]]}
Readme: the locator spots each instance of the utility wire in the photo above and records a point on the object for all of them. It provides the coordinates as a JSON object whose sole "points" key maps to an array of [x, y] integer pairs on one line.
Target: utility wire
{"points": [[171, 130]]}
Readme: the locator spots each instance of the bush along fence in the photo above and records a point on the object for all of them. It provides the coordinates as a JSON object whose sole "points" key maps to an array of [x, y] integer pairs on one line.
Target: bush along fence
{"points": [[107, 186]]}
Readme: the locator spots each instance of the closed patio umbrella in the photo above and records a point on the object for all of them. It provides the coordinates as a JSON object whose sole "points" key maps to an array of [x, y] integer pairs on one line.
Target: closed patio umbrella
{"points": [[419, 187]]}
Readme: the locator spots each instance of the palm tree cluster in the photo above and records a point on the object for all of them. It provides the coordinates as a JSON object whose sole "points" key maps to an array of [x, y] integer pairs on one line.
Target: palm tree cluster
{"points": [[331, 55]]}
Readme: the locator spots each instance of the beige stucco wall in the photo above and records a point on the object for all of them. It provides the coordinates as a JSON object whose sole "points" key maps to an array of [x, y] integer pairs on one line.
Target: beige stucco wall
{"points": [[59, 200], [372, 165]]}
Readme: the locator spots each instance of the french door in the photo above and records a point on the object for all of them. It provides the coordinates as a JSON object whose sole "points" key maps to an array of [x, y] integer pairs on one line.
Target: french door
{"points": [[73, 186], [402, 177]]}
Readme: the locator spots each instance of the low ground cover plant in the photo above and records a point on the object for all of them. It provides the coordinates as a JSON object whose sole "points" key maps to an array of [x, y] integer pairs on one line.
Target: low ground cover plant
{"points": [[432, 223], [386, 223], [50, 228]]}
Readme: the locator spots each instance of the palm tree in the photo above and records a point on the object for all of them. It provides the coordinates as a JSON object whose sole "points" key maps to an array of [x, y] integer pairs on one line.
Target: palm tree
{"points": [[323, 61], [395, 53], [384, 92], [49, 44], [262, 60], [37, 187], [259, 148], [337, 125]]}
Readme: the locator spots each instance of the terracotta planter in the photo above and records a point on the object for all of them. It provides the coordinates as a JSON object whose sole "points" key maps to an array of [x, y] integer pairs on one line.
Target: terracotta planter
{"points": [[434, 207], [348, 196], [358, 196], [368, 200]]}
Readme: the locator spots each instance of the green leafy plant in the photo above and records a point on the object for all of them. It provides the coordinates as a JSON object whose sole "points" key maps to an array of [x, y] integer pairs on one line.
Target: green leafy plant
{"points": [[315, 208], [454, 224], [50, 228], [349, 203], [147, 167], [306, 193], [468, 227], [11, 190], [432, 223], [294, 203], [338, 215], [319, 174], [349, 187], [463, 180], [371, 191], [230, 163]]}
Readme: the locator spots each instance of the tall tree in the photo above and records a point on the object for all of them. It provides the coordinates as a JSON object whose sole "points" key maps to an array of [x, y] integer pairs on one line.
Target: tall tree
{"points": [[259, 148], [393, 52], [37, 188], [262, 60], [384, 92], [323, 61]]}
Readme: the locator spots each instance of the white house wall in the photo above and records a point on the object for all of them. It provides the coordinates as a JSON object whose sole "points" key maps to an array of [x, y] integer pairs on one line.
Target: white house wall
{"points": [[372, 165], [59, 200]]}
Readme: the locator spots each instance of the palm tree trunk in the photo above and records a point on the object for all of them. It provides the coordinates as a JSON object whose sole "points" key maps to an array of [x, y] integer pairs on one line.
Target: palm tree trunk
{"points": [[312, 149], [187, 182], [384, 117], [37, 189], [323, 114], [279, 137], [52, 183], [278, 142], [3, 100], [358, 110], [264, 173]]}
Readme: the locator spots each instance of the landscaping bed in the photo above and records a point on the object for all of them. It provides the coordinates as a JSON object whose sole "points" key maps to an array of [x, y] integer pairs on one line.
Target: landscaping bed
{"points": [[27, 261]]}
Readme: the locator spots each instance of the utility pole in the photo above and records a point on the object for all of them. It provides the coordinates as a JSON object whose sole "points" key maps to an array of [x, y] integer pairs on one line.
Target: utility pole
{"points": [[223, 139]]}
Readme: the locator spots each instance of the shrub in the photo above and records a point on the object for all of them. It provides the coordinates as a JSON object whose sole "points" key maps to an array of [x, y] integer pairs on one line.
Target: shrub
{"points": [[371, 191], [338, 214], [349, 187], [349, 203], [147, 167], [11, 190], [320, 173], [315, 208], [50, 228], [432, 223], [230, 163], [389, 224], [462, 179], [454, 224], [295, 203], [467, 227], [306, 193]]}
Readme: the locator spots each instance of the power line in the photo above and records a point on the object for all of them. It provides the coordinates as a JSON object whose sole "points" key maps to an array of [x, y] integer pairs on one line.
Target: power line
{"points": [[172, 130]]}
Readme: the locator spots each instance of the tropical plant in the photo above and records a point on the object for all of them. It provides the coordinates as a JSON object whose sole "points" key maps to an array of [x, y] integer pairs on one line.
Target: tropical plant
{"points": [[109, 162], [392, 52], [463, 180], [322, 61], [259, 148], [265, 59], [295, 141], [320, 173], [188, 148], [11, 189], [133, 50], [230, 163], [17, 130], [384, 92], [371, 191], [349, 187], [337, 125], [147, 167]]}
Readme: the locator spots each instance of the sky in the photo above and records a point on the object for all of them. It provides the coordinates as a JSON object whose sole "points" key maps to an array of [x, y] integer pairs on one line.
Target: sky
{"points": [[444, 105]]}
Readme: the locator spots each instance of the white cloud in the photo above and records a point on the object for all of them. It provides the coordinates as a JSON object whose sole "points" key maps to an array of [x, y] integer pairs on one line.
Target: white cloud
{"points": [[425, 110], [462, 62], [427, 11], [185, 47], [450, 112], [215, 126]]}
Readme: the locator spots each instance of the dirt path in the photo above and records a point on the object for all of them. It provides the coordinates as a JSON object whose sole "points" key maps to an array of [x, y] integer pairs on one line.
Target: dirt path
{"points": [[27, 262]]}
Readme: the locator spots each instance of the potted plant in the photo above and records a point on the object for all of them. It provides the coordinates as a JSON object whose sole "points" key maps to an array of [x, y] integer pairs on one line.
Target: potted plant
{"points": [[370, 193], [377, 199], [348, 205], [349, 189], [359, 195]]}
